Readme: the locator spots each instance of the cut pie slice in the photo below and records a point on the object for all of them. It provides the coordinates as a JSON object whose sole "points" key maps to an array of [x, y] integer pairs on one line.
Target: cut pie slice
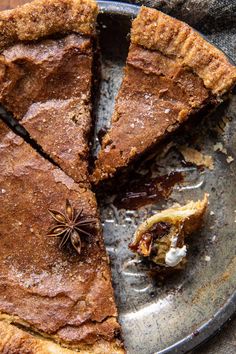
{"points": [[161, 238], [171, 72], [52, 291], [46, 76]]}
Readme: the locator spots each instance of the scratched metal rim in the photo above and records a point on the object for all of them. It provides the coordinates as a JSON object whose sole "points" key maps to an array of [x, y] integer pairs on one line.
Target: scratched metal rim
{"points": [[228, 310]]}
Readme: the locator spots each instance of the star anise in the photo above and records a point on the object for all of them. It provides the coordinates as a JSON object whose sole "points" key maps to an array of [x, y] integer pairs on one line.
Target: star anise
{"points": [[70, 226]]}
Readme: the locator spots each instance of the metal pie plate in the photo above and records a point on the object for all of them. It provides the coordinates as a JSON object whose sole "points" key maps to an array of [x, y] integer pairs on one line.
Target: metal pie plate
{"points": [[177, 315]]}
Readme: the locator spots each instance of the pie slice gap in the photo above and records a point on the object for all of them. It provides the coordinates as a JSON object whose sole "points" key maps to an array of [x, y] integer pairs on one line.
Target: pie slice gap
{"points": [[46, 65], [171, 73], [54, 298]]}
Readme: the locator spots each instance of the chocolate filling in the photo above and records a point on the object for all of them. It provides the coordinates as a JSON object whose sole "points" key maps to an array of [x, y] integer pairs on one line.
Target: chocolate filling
{"points": [[147, 245]]}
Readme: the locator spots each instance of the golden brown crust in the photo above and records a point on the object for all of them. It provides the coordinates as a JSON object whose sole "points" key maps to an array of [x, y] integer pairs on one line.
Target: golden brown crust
{"points": [[197, 158], [191, 215], [156, 30], [41, 18], [16, 341], [171, 73]]}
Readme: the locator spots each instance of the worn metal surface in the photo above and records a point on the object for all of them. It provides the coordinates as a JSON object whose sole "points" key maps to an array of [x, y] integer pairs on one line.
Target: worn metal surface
{"points": [[223, 342]]}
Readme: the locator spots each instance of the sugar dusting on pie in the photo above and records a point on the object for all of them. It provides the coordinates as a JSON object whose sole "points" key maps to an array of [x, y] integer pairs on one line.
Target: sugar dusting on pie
{"points": [[56, 294], [171, 73], [64, 293], [56, 289]]}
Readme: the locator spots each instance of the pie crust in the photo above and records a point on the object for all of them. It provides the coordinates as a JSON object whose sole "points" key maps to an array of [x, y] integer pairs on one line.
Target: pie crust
{"points": [[181, 222], [50, 293], [52, 300], [15, 340], [42, 18], [46, 85], [46, 65], [171, 73]]}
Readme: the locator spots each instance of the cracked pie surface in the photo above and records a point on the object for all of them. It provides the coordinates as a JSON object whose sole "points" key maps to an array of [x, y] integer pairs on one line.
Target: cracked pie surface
{"points": [[171, 73], [46, 65], [55, 292]]}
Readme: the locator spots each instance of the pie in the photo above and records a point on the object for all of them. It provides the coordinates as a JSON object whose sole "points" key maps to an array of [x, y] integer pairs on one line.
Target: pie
{"points": [[161, 238], [54, 295], [171, 73], [46, 76]]}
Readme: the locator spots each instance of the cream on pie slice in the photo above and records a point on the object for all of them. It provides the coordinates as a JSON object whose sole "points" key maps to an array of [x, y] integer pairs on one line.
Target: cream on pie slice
{"points": [[171, 73], [46, 65], [161, 238], [52, 296]]}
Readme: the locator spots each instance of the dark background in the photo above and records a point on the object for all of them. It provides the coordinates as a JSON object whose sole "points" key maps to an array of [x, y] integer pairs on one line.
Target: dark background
{"points": [[217, 20]]}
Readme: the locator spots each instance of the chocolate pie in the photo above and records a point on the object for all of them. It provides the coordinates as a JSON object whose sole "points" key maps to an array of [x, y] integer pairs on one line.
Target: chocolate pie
{"points": [[171, 73], [50, 296], [56, 294], [46, 76]]}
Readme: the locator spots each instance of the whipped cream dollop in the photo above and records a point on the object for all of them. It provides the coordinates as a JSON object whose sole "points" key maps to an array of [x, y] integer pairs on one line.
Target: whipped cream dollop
{"points": [[175, 254]]}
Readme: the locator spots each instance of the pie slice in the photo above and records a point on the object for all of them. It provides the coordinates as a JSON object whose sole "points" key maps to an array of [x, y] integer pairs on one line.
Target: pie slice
{"points": [[161, 238], [171, 72], [51, 297], [46, 76]]}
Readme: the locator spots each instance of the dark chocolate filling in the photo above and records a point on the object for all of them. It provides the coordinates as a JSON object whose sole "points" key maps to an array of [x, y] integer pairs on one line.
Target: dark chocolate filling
{"points": [[156, 232]]}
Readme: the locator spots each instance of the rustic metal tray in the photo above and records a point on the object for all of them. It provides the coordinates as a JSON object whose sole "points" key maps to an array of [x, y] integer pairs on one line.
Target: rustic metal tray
{"points": [[177, 315]]}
